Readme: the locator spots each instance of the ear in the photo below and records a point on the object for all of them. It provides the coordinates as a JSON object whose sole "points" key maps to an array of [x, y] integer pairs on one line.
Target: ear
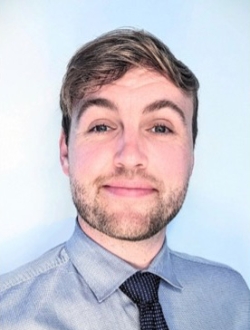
{"points": [[192, 164], [64, 153]]}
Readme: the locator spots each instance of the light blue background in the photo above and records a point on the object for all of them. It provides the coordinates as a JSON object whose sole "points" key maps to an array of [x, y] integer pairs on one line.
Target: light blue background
{"points": [[37, 38]]}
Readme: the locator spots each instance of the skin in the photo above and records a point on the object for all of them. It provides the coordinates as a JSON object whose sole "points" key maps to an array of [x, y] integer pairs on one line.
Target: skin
{"points": [[129, 160]]}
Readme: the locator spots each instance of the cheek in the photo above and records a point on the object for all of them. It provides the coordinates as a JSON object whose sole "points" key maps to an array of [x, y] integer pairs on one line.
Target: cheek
{"points": [[88, 162], [175, 164]]}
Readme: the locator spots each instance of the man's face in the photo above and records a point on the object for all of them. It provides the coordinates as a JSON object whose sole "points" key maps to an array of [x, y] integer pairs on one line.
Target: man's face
{"points": [[130, 155]]}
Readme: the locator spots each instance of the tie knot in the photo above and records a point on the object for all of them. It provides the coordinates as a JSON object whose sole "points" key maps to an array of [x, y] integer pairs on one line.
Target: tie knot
{"points": [[142, 288]]}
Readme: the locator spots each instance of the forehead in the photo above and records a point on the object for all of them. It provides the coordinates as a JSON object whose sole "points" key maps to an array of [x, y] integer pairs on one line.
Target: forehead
{"points": [[137, 89], [137, 79]]}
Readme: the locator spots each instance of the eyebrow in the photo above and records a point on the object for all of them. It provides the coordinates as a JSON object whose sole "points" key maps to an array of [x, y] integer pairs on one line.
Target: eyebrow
{"points": [[99, 102], [160, 104], [105, 103]]}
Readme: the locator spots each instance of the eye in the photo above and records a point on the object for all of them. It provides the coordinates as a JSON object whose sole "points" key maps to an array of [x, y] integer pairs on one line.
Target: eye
{"points": [[100, 128], [162, 129]]}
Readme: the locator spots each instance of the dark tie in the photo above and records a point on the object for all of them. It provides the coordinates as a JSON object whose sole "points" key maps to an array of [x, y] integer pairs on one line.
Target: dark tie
{"points": [[142, 289]]}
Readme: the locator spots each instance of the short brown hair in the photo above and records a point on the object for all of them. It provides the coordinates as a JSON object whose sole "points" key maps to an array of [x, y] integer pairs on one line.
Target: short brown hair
{"points": [[108, 57]]}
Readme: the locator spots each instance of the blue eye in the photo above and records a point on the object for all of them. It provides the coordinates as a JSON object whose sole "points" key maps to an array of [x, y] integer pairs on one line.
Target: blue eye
{"points": [[162, 129], [100, 128]]}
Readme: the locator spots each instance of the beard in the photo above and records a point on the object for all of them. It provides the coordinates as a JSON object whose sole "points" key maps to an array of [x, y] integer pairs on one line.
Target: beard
{"points": [[126, 220]]}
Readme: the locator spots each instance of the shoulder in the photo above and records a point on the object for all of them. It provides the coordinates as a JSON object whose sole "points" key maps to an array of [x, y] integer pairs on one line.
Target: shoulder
{"points": [[48, 263], [204, 272], [33, 289]]}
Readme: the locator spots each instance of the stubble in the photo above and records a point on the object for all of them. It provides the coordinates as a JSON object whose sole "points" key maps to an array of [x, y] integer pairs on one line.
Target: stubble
{"points": [[128, 222]]}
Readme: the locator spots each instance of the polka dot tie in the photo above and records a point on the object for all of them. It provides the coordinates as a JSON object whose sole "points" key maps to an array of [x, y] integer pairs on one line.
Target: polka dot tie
{"points": [[142, 289]]}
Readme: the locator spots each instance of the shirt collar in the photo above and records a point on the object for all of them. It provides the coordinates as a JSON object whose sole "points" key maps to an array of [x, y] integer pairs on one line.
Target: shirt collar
{"points": [[104, 272]]}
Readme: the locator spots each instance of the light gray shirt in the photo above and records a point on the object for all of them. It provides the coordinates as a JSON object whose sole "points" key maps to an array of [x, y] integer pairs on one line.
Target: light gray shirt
{"points": [[76, 286]]}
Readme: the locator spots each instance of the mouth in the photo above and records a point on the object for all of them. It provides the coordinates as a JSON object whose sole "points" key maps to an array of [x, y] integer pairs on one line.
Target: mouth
{"points": [[132, 190]]}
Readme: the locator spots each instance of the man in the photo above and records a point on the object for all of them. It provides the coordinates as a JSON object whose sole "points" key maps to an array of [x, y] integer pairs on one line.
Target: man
{"points": [[129, 129]]}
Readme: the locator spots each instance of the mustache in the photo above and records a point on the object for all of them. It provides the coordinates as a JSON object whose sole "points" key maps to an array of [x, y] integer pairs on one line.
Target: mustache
{"points": [[129, 174]]}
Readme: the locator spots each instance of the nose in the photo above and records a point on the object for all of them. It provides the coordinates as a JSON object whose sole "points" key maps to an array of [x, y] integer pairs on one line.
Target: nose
{"points": [[130, 152]]}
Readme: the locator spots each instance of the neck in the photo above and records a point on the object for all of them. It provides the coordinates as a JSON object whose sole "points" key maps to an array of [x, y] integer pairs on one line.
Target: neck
{"points": [[139, 254]]}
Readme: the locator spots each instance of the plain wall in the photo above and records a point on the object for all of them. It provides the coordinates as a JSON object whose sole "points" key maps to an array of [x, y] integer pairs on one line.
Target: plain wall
{"points": [[37, 39]]}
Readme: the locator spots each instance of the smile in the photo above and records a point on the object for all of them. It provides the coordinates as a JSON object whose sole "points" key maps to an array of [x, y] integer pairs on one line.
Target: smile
{"points": [[129, 191]]}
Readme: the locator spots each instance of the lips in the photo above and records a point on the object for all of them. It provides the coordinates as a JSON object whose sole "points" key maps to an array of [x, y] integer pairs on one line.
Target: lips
{"points": [[129, 189]]}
